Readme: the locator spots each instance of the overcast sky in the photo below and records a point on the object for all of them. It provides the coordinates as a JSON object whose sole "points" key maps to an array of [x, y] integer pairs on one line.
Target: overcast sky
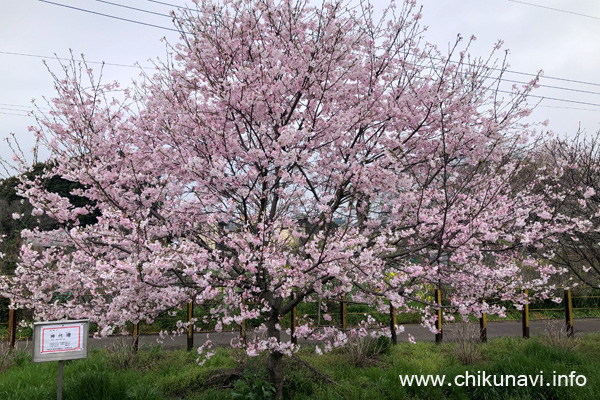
{"points": [[560, 37]]}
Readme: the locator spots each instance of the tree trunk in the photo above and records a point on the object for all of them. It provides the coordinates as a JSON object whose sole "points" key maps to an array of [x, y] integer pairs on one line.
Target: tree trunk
{"points": [[275, 359], [275, 367]]}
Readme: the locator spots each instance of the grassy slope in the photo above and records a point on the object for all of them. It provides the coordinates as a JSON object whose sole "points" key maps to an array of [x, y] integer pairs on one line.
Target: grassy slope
{"points": [[157, 374]]}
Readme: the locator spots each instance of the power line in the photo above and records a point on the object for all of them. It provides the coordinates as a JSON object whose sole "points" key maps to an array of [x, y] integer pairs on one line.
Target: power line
{"points": [[496, 69], [18, 115], [134, 8], [554, 9], [570, 108], [13, 105], [111, 16], [69, 59], [540, 85], [172, 5], [552, 98], [524, 73], [137, 66], [504, 80], [28, 107], [13, 109], [181, 7], [552, 87]]}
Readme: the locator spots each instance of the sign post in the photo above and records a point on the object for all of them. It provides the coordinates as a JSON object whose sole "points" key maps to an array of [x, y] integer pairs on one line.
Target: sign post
{"points": [[59, 341], [59, 380]]}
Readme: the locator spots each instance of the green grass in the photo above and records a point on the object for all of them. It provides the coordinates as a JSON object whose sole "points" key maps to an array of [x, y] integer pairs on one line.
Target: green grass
{"points": [[501, 356], [158, 374], [154, 374]]}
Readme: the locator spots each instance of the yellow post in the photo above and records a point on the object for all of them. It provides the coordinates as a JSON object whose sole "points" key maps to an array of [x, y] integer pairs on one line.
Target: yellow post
{"points": [[526, 317], [569, 313], [294, 324], [243, 324], [343, 312], [190, 333], [12, 326], [393, 324], [483, 327], [438, 299], [136, 337]]}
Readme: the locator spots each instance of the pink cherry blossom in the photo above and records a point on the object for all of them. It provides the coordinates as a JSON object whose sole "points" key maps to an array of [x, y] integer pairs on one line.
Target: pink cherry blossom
{"points": [[287, 153]]}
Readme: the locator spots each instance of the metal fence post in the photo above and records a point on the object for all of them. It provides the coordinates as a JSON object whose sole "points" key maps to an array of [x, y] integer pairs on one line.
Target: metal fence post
{"points": [[569, 313], [393, 324], [526, 316], [343, 312], [190, 333], [438, 299], [12, 326]]}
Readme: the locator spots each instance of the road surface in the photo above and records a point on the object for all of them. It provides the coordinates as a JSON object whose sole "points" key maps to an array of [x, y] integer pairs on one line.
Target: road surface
{"points": [[451, 331]]}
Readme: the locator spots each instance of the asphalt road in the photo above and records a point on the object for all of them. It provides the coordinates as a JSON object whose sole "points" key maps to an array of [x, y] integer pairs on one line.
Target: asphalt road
{"points": [[451, 332]]}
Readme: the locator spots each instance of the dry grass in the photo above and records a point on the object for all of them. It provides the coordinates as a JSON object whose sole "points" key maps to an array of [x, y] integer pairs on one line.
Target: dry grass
{"points": [[467, 346], [121, 353], [555, 335], [364, 351]]}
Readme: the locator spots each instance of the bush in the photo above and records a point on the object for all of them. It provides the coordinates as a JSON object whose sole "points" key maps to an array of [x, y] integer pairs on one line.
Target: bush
{"points": [[121, 354], [555, 335], [365, 351], [10, 356], [467, 348]]}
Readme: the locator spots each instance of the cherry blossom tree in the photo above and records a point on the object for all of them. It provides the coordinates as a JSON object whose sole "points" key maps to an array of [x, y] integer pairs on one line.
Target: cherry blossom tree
{"points": [[286, 151], [574, 164], [15, 214]]}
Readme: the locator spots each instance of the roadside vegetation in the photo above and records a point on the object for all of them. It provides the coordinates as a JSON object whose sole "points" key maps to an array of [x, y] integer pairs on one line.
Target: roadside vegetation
{"points": [[367, 370]]}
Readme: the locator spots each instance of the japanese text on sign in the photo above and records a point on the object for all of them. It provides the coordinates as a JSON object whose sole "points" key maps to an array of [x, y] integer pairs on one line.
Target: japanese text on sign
{"points": [[59, 339]]}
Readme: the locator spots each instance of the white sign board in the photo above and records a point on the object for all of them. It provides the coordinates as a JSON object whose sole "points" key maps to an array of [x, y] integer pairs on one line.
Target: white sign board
{"points": [[60, 340], [63, 338]]}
